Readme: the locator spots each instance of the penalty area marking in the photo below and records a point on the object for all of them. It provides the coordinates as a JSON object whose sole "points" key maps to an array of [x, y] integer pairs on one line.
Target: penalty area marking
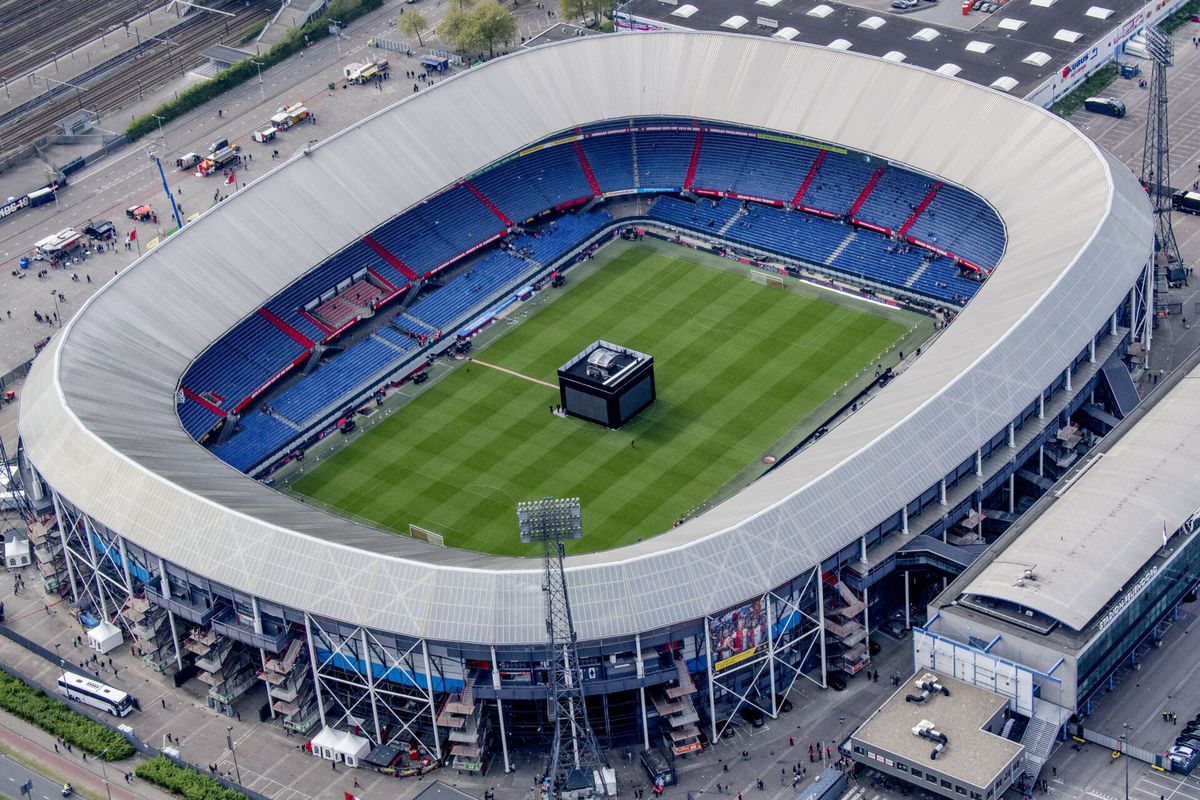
{"points": [[499, 368]]}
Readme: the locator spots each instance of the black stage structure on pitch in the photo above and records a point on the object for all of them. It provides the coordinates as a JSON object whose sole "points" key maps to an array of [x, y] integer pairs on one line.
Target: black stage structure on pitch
{"points": [[606, 383]]}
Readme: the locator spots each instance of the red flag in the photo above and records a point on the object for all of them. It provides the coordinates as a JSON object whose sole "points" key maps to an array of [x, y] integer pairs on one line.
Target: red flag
{"points": [[350, 796], [133, 235], [232, 177]]}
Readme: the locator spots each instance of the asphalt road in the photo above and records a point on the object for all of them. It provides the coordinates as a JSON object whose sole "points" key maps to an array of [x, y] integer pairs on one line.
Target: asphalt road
{"points": [[13, 775]]}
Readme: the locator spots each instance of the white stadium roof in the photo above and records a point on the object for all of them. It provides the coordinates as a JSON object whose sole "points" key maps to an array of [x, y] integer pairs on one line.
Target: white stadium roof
{"points": [[98, 414]]}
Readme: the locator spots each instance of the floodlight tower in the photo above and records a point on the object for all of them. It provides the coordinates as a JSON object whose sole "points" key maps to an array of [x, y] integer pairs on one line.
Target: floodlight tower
{"points": [[1156, 150], [573, 749]]}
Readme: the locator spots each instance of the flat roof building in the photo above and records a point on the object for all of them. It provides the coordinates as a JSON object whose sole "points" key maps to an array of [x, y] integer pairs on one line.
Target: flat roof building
{"points": [[946, 740]]}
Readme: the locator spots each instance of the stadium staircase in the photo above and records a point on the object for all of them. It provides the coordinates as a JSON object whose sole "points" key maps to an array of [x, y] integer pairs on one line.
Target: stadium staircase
{"points": [[741, 212], [1038, 741], [394, 345], [483, 198], [918, 273], [316, 322], [634, 148], [388, 285], [387, 256], [808, 179], [837, 251], [694, 162], [866, 192], [587, 169], [920, 209]]}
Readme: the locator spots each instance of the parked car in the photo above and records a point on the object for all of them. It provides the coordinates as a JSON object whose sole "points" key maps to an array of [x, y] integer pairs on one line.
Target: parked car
{"points": [[835, 681], [752, 715], [104, 229], [1183, 759], [139, 212]]}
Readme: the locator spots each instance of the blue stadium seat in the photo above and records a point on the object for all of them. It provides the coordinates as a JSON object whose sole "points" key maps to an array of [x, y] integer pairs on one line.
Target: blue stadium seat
{"points": [[439, 230], [197, 420], [259, 437], [242, 361], [478, 285], [611, 160], [531, 183], [328, 384]]}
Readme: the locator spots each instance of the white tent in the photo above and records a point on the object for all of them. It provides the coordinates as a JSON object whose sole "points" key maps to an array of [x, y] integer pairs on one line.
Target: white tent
{"points": [[105, 637], [334, 745], [16, 549]]}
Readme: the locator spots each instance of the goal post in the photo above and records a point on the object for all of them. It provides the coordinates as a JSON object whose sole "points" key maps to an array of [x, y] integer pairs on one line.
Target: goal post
{"points": [[417, 532]]}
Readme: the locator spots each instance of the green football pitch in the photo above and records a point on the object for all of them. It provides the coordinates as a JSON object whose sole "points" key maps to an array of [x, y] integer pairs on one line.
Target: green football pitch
{"points": [[739, 367]]}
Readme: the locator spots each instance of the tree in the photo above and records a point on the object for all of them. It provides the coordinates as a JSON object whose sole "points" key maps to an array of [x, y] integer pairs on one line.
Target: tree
{"points": [[586, 10], [492, 25], [412, 23], [455, 29]]}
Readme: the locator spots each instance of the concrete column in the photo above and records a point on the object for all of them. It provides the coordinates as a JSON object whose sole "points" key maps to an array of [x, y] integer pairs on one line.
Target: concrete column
{"points": [[1112, 324], [771, 655], [862, 548], [1042, 406], [820, 626], [1041, 461], [1067, 375], [1012, 492], [437, 736], [712, 692], [942, 491], [1091, 351], [1012, 434], [500, 711], [904, 520], [165, 591], [979, 462], [907, 604]]}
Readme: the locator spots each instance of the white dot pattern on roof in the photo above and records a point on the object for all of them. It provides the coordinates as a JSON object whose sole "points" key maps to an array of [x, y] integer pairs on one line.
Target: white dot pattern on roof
{"points": [[873, 23], [1037, 58], [735, 22], [1070, 36], [976, 46], [1011, 24], [926, 34]]}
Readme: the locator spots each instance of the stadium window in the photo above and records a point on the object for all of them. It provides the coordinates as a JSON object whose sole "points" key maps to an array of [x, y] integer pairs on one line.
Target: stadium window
{"points": [[931, 778], [960, 790], [976, 796], [916, 773], [947, 784], [858, 748], [902, 766]]}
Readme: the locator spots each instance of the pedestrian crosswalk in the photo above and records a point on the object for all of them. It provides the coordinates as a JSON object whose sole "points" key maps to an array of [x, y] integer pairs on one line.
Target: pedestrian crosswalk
{"points": [[1165, 786]]}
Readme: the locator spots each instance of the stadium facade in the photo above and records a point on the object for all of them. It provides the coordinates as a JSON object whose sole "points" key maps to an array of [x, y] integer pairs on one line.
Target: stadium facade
{"points": [[441, 651]]}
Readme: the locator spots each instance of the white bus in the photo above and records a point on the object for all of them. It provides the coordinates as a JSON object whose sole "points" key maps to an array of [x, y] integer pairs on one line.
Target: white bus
{"points": [[84, 690]]}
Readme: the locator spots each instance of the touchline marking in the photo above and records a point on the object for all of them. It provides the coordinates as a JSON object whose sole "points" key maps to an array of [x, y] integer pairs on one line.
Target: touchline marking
{"points": [[514, 374]]}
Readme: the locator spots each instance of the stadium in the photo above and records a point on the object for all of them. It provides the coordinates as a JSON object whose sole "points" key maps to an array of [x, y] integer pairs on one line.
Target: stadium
{"points": [[381, 253]]}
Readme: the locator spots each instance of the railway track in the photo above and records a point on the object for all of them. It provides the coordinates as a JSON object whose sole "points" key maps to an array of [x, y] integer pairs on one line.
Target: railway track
{"points": [[34, 30], [151, 67]]}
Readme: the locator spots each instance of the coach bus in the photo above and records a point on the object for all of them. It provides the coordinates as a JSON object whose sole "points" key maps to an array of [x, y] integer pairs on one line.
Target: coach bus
{"points": [[92, 693]]}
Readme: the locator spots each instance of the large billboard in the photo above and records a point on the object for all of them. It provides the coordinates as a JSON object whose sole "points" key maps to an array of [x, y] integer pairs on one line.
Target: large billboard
{"points": [[738, 635]]}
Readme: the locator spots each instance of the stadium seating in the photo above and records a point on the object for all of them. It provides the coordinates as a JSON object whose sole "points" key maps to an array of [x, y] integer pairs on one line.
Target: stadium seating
{"points": [[439, 229], [342, 308], [444, 306], [550, 242], [260, 436], [663, 158], [611, 159], [895, 198], [706, 215], [344, 264], [531, 183], [196, 418], [959, 222], [752, 166], [838, 182], [242, 361], [329, 382], [401, 340]]}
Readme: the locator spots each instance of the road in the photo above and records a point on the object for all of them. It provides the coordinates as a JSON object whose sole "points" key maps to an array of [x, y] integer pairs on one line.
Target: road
{"points": [[13, 775]]}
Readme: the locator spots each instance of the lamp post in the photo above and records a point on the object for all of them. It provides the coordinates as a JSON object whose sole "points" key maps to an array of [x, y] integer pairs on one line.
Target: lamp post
{"points": [[337, 34], [160, 133], [233, 750], [1125, 754], [104, 773], [262, 89]]}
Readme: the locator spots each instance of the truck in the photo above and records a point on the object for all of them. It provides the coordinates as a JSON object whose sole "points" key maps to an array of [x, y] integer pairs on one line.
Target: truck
{"points": [[59, 245], [188, 160], [363, 73], [289, 116], [221, 159]]}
